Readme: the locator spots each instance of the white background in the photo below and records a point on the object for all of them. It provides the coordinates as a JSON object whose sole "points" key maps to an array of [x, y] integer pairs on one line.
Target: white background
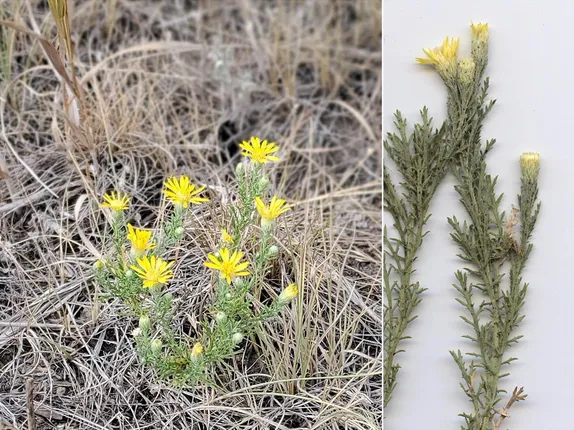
{"points": [[532, 77]]}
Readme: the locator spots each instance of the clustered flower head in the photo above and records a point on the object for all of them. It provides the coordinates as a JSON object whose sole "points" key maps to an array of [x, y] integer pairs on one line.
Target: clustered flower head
{"points": [[443, 57], [530, 165], [153, 270], [259, 152], [180, 191], [115, 201], [228, 264]]}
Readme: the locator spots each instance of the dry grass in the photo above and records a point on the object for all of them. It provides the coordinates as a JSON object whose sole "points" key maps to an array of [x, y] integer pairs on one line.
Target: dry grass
{"points": [[171, 87]]}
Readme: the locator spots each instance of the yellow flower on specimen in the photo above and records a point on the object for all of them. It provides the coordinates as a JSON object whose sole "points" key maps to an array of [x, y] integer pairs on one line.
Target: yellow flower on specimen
{"points": [[181, 191], [444, 57], [228, 264], [276, 207], [153, 270], [479, 31], [289, 293], [259, 152], [140, 239], [226, 237], [197, 349], [115, 201], [479, 43]]}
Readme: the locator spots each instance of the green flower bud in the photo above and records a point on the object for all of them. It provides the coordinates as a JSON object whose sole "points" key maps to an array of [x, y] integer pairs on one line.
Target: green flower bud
{"points": [[220, 317], [156, 345], [144, 322], [273, 250], [129, 273], [179, 231], [99, 264], [228, 296], [237, 338]]}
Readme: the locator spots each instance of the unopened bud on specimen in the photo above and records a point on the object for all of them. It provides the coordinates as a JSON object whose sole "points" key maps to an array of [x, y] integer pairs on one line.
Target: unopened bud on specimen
{"points": [[156, 345], [479, 45], [136, 332], [220, 317], [530, 165], [466, 71], [179, 231], [288, 293], [197, 349], [99, 264], [237, 337], [273, 250], [129, 273], [144, 322], [228, 296]]}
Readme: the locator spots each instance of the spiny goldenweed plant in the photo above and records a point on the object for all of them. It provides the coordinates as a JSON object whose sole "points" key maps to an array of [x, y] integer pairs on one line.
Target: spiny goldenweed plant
{"points": [[137, 267], [422, 160], [489, 239]]}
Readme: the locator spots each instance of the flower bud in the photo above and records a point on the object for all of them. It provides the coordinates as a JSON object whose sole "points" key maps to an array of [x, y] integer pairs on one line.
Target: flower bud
{"points": [[288, 293], [136, 332], [156, 345], [197, 349], [273, 250], [263, 182], [179, 231], [144, 322], [530, 165], [228, 296], [99, 264], [240, 169], [466, 71], [220, 317], [129, 273], [237, 338]]}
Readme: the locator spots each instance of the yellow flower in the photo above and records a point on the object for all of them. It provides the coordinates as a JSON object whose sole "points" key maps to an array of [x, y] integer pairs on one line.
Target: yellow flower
{"points": [[182, 192], [226, 237], [444, 58], [153, 270], [479, 31], [269, 213], [289, 293], [197, 349], [228, 265], [530, 165], [140, 239], [479, 44], [116, 202], [259, 152]]}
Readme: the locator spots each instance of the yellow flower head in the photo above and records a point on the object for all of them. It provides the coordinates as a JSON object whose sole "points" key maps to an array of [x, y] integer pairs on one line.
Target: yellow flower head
{"points": [[182, 192], [116, 202], [197, 349], [226, 237], [443, 58], [479, 31], [228, 264], [289, 293], [275, 208], [479, 44], [530, 165], [140, 239], [259, 152], [153, 270]]}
